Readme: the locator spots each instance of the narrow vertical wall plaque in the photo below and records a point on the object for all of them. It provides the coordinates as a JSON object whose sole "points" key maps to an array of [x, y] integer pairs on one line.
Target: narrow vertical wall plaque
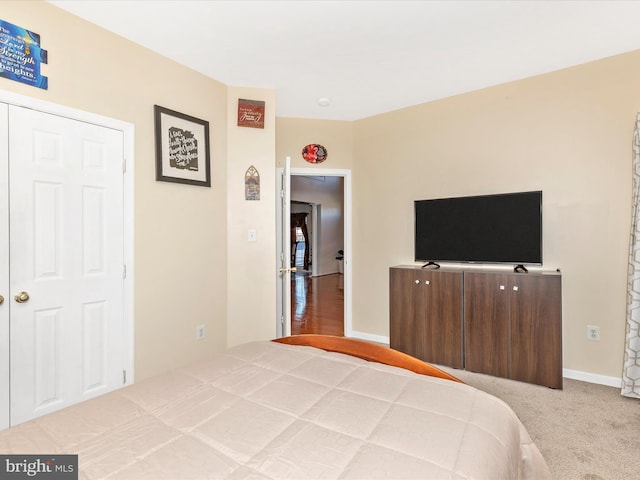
{"points": [[252, 184]]}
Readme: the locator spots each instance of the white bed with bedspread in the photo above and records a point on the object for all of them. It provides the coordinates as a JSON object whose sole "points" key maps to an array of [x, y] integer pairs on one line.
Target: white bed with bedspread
{"points": [[268, 410]]}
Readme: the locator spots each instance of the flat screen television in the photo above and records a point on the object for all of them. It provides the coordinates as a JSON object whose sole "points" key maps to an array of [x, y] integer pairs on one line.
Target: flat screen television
{"points": [[500, 228]]}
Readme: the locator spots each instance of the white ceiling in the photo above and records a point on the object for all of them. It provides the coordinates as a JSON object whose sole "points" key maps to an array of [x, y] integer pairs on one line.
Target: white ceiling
{"points": [[369, 57]]}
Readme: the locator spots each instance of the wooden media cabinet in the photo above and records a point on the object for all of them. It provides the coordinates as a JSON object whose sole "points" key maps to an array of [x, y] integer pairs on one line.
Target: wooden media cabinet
{"points": [[488, 321]]}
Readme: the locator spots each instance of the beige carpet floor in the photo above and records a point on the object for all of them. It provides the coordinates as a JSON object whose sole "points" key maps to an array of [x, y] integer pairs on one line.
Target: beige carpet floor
{"points": [[585, 431]]}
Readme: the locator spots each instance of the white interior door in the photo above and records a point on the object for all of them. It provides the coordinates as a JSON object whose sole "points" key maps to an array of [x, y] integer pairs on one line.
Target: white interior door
{"points": [[283, 312], [67, 244], [4, 266]]}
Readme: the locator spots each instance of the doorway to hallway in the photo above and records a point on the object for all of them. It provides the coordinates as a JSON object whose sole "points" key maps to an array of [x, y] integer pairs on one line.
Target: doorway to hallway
{"points": [[318, 233], [301, 293]]}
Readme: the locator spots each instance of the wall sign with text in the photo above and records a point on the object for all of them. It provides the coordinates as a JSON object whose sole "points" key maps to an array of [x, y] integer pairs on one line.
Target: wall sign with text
{"points": [[21, 55], [250, 113]]}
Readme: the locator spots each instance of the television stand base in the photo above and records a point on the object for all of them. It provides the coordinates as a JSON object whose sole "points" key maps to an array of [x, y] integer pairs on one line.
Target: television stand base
{"points": [[520, 269], [431, 265]]}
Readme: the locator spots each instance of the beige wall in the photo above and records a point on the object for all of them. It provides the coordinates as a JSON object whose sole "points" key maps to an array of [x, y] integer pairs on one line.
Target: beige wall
{"points": [[251, 265], [293, 134], [567, 133], [180, 230]]}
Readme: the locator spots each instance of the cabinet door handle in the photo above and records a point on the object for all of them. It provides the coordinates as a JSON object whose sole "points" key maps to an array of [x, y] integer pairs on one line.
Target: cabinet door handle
{"points": [[427, 282], [501, 287], [515, 288], [417, 282]]}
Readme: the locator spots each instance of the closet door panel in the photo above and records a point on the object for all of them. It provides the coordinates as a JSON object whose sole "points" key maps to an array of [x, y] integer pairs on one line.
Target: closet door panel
{"points": [[67, 253], [4, 267]]}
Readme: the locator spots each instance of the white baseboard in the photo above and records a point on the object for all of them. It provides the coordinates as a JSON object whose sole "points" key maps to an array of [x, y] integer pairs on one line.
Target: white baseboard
{"points": [[592, 378], [369, 337]]}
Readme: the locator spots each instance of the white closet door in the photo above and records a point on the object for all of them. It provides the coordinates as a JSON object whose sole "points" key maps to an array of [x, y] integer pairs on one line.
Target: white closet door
{"points": [[4, 267], [66, 244]]}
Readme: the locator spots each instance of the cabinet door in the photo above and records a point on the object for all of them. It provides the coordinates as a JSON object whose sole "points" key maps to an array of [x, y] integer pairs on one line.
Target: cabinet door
{"points": [[443, 318], [486, 323], [536, 329], [406, 311]]}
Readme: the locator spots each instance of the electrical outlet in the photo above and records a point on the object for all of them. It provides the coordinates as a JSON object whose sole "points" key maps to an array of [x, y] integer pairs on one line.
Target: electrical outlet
{"points": [[199, 332], [593, 333]]}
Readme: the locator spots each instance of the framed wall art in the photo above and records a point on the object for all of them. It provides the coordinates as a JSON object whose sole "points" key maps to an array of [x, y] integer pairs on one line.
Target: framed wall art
{"points": [[182, 148]]}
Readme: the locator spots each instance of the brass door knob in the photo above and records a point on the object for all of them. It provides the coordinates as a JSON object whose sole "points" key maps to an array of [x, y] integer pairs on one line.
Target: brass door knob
{"points": [[22, 297], [1, 299]]}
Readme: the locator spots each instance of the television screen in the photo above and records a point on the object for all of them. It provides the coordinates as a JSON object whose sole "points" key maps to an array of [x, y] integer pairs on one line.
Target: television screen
{"points": [[502, 228]]}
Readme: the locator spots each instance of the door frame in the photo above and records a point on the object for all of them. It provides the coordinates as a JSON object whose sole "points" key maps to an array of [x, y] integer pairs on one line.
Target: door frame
{"points": [[128, 130], [346, 175], [314, 238]]}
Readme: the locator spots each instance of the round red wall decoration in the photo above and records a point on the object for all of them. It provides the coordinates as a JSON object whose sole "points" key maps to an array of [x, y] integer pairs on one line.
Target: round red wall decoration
{"points": [[314, 153]]}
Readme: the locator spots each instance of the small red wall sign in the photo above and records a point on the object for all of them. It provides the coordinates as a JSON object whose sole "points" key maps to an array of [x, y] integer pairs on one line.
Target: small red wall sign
{"points": [[250, 113]]}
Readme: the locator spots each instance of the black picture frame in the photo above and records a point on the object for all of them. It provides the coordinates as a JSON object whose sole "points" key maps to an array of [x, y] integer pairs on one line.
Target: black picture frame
{"points": [[182, 148]]}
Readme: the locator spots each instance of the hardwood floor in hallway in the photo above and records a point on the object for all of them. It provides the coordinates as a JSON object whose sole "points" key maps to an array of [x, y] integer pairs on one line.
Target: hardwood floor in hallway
{"points": [[317, 304]]}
